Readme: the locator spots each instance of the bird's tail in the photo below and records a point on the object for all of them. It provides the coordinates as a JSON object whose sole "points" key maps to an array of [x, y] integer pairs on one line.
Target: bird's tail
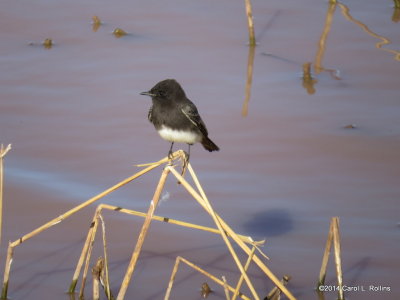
{"points": [[209, 144]]}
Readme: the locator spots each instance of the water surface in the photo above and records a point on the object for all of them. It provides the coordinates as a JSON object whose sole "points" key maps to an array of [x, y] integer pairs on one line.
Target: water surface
{"points": [[287, 163]]}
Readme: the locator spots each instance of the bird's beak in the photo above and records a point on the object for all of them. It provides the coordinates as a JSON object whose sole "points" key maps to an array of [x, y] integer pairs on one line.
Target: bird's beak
{"points": [[147, 94]]}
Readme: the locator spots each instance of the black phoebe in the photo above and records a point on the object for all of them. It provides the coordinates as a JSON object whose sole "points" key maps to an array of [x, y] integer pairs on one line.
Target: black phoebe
{"points": [[175, 117]]}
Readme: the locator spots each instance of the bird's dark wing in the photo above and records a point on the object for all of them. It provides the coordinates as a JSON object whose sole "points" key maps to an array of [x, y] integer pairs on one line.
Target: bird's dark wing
{"points": [[190, 111], [149, 114]]}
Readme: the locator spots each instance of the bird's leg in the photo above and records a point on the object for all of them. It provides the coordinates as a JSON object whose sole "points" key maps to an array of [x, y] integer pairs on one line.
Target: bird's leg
{"points": [[188, 156], [170, 151], [186, 160]]}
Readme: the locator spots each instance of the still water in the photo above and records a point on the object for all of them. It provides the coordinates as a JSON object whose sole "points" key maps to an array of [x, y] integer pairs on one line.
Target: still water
{"points": [[307, 122]]}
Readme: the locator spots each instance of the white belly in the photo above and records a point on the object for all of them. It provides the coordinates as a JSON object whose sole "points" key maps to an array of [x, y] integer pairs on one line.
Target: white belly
{"points": [[179, 136]]}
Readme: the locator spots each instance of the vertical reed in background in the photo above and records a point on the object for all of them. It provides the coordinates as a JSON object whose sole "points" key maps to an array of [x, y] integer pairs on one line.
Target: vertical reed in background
{"points": [[3, 152], [250, 24]]}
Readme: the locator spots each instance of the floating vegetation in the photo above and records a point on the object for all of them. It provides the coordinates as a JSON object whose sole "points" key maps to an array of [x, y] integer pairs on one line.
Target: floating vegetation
{"points": [[96, 23], [118, 32], [48, 43], [350, 126], [308, 79], [205, 290]]}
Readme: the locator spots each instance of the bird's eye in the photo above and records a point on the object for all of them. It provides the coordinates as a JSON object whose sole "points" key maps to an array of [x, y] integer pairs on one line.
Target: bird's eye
{"points": [[161, 93]]}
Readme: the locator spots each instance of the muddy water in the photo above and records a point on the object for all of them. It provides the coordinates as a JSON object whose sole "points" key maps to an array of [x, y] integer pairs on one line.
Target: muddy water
{"points": [[78, 125]]}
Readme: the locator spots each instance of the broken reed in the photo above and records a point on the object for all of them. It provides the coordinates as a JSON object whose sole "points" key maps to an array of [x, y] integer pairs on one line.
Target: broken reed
{"points": [[180, 259], [100, 279], [333, 237], [12, 245], [241, 244], [223, 229], [96, 272], [101, 264], [203, 201], [106, 277], [86, 251]]}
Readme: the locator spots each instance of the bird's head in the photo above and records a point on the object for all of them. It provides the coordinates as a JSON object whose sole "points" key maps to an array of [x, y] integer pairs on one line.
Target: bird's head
{"points": [[168, 89]]}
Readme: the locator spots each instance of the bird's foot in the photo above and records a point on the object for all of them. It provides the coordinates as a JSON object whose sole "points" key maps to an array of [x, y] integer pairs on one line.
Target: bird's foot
{"points": [[170, 157], [185, 162]]}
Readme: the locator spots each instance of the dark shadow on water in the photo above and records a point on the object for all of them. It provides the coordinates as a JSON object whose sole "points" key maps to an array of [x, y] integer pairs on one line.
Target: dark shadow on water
{"points": [[273, 222]]}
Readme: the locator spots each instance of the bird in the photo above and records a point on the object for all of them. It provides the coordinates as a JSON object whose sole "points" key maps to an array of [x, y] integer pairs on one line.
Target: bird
{"points": [[176, 118]]}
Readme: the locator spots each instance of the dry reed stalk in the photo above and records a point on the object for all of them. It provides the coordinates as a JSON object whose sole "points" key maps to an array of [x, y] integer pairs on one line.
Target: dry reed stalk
{"points": [[333, 236], [89, 238], [248, 239], [250, 64], [245, 239], [96, 288], [90, 235], [93, 228], [3, 153], [250, 24], [86, 203], [242, 245], [96, 272], [200, 270], [325, 258], [143, 233], [179, 154], [322, 40], [72, 211], [204, 202], [320, 295], [275, 293], [172, 278], [106, 278], [338, 262], [226, 288], [246, 266], [88, 254], [10, 253]]}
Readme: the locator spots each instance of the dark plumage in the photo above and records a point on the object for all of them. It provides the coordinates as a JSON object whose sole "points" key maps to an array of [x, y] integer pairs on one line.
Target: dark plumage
{"points": [[175, 117]]}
